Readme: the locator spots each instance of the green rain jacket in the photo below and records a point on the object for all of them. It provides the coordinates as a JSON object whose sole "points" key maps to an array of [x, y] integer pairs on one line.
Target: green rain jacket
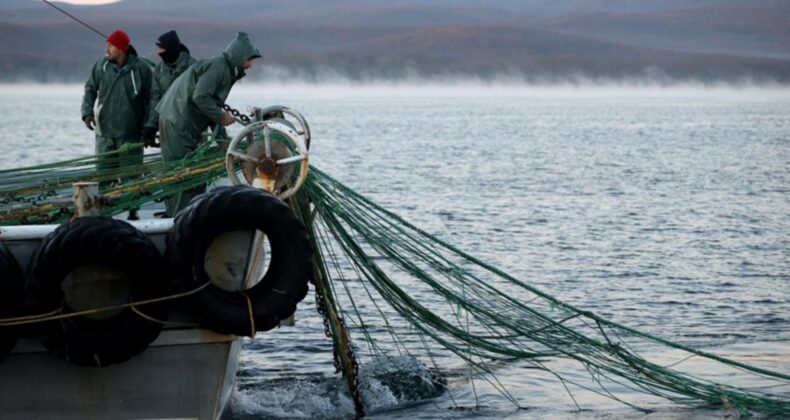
{"points": [[195, 99], [124, 97], [164, 75]]}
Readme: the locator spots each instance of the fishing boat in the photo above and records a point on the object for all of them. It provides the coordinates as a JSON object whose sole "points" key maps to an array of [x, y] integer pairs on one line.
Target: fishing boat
{"points": [[144, 319], [104, 318]]}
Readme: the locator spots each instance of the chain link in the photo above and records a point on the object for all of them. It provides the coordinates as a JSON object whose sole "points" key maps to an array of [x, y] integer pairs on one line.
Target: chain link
{"points": [[237, 114], [352, 357], [320, 303], [319, 307]]}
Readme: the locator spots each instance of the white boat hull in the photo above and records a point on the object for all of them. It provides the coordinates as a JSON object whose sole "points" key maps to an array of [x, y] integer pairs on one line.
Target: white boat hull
{"points": [[183, 374]]}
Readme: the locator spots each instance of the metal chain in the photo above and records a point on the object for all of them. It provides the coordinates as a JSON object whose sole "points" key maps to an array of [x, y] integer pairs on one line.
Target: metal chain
{"points": [[237, 114], [356, 392], [319, 307], [320, 303]]}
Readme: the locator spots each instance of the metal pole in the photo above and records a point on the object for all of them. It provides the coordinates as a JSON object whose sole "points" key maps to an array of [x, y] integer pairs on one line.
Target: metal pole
{"points": [[75, 18]]}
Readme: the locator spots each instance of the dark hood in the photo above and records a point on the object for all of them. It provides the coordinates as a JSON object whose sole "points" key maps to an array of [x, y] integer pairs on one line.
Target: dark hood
{"points": [[172, 45], [239, 50]]}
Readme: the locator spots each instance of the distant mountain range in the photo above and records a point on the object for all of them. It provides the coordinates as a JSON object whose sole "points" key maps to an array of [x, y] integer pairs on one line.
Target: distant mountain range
{"points": [[533, 40]]}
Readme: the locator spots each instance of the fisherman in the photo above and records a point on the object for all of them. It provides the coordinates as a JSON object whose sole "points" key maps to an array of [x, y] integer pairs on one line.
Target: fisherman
{"points": [[195, 101], [175, 60], [122, 83]]}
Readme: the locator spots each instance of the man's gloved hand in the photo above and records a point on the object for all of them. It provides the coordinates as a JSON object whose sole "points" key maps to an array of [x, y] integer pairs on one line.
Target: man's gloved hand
{"points": [[89, 122], [227, 119], [149, 137]]}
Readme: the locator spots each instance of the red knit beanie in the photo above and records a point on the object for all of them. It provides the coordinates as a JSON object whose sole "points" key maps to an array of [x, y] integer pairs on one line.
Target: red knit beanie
{"points": [[119, 39]]}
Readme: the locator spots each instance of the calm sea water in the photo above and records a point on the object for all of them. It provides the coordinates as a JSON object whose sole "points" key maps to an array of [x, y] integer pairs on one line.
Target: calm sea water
{"points": [[666, 210]]}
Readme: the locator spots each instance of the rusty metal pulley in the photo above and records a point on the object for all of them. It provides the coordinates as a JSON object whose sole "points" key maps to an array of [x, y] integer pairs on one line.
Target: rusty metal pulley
{"points": [[270, 153]]}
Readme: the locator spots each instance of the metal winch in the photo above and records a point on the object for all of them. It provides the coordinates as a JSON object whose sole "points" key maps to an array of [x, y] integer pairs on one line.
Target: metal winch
{"points": [[271, 151]]}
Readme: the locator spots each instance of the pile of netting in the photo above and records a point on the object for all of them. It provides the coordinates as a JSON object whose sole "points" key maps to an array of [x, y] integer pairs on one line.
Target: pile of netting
{"points": [[42, 194], [392, 281], [382, 280]]}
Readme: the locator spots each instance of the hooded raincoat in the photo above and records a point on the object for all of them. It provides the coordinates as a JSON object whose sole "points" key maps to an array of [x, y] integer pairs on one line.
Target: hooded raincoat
{"points": [[164, 76], [194, 102], [123, 94], [195, 99]]}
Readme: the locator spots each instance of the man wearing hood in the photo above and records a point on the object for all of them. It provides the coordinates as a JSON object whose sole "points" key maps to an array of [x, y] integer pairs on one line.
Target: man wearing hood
{"points": [[175, 60], [116, 103], [194, 102]]}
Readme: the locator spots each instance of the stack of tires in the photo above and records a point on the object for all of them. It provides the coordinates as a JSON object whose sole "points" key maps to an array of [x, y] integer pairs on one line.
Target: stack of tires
{"points": [[116, 245]]}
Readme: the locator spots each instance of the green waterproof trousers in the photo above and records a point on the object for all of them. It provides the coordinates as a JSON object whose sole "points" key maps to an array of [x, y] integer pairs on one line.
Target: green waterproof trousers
{"points": [[176, 145], [113, 155]]}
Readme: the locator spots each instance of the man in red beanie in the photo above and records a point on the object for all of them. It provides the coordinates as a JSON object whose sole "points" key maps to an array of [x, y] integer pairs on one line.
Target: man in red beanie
{"points": [[117, 103]]}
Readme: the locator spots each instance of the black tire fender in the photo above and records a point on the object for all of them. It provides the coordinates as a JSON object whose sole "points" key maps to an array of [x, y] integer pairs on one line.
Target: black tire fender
{"points": [[284, 284], [11, 293], [109, 243]]}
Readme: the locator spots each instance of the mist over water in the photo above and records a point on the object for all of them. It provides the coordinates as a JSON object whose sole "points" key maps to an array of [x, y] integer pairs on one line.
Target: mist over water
{"points": [[41, 122], [665, 209]]}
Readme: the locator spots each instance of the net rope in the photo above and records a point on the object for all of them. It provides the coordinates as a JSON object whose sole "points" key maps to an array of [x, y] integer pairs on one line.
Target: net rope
{"points": [[396, 282]]}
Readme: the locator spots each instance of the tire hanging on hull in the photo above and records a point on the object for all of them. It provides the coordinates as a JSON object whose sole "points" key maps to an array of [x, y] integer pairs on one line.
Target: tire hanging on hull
{"points": [[11, 293], [284, 284], [115, 247]]}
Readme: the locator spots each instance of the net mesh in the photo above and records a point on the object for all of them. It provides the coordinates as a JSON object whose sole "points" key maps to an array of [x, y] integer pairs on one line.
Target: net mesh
{"points": [[404, 292]]}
